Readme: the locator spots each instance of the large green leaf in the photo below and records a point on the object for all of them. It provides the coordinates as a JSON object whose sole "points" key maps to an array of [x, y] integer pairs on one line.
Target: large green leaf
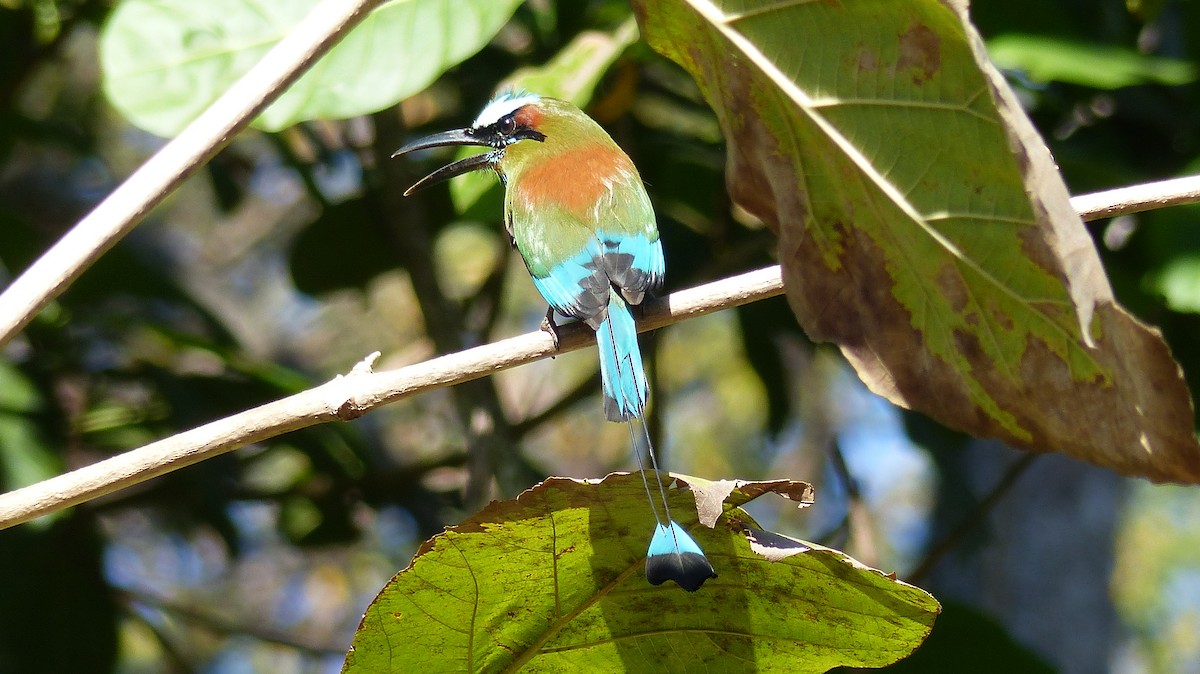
{"points": [[165, 61], [554, 581], [924, 227]]}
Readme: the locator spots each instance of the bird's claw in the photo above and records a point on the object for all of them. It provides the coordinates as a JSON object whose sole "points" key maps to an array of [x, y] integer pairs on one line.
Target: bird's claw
{"points": [[550, 326]]}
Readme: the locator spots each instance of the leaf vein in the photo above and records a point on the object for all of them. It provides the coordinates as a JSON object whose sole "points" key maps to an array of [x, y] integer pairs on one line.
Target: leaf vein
{"points": [[837, 102]]}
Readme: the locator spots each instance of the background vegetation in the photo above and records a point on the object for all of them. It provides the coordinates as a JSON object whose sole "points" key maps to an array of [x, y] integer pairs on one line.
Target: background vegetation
{"points": [[290, 257]]}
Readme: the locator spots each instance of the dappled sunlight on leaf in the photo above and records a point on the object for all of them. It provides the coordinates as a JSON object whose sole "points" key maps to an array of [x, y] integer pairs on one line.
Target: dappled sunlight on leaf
{"points": [[554, 580]]}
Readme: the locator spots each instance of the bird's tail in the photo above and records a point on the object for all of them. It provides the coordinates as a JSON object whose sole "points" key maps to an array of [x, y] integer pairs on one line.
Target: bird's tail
{"points": [[673, 554], [621, 373]]}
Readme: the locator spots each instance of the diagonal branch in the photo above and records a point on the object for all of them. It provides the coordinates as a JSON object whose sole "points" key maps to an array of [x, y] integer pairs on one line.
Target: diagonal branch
{"points": [[118, 214], [353, 395]]}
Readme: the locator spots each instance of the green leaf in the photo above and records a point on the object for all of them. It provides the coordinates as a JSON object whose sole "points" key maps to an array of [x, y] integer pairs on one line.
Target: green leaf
{"points": [[25, 458], [554, 581], [924, 227], [1046, 59], [577, 69], [17, 393], [1179, 282], [165, 61], [571, 75]]}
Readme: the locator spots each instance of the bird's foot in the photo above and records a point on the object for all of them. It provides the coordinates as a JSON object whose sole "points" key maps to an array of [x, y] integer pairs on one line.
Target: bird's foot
{"points": [[550, 326]]}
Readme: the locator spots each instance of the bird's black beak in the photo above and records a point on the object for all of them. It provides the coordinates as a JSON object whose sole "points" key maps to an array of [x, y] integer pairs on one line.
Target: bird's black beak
{"points": [[453, 137]]}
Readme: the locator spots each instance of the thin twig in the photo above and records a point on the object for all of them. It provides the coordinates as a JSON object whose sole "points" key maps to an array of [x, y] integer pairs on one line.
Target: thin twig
{"points": [[114, 217], [1137, 198], [837, 536], [972, 520], [353, 395]]}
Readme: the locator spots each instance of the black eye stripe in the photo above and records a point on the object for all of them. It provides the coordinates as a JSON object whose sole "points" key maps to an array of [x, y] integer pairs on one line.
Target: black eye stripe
{"points": [[506, 131]]}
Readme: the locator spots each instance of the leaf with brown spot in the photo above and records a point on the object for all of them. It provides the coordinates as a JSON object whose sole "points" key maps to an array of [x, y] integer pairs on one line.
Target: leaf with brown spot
{"points": [[924, 228], [919, 54], [547, 582]]}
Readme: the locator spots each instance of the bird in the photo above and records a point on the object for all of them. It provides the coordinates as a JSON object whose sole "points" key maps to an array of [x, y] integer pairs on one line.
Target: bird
{"points": [[576, 210]]}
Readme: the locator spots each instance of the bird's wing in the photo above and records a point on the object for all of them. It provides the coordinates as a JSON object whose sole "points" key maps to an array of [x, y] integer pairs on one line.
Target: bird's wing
{"points": [[565, 259], [633, 255]]}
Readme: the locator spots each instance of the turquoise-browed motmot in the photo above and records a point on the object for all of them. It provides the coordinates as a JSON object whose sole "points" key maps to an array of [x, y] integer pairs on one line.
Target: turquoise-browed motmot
{"points": [[576, 210]]}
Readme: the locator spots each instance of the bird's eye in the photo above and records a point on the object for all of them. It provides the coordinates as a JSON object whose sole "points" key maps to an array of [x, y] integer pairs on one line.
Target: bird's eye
{"points": [[508, 126]]}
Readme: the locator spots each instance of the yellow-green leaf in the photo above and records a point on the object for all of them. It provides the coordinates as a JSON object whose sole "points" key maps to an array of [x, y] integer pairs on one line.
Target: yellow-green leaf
{"points": [[1179, 283], [553, 581]]}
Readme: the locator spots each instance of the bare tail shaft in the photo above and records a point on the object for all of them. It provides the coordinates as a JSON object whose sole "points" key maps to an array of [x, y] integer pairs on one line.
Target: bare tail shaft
{"points": [[673, 554]]}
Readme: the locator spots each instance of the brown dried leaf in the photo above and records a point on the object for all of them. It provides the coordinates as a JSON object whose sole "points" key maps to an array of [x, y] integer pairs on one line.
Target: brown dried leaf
{"points": [[714, 497]]}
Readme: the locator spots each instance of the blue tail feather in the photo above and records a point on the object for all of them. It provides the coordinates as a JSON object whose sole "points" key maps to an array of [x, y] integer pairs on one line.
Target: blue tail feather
{"points": [[624, 380], [674, 555]]}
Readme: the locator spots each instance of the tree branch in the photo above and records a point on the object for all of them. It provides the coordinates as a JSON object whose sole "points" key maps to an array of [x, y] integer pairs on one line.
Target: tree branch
{"points": [[114, 217], [362, 390], [351, 396], [1137, 198]]}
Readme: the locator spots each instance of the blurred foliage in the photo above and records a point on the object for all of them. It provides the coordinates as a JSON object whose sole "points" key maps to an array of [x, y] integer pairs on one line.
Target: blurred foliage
{"points": [[1156, 581], [1048, 59], [291, 256], [166, 62]]}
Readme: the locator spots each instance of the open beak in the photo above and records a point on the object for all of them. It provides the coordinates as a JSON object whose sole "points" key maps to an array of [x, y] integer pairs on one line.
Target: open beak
{"points": [[453, 137]]}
